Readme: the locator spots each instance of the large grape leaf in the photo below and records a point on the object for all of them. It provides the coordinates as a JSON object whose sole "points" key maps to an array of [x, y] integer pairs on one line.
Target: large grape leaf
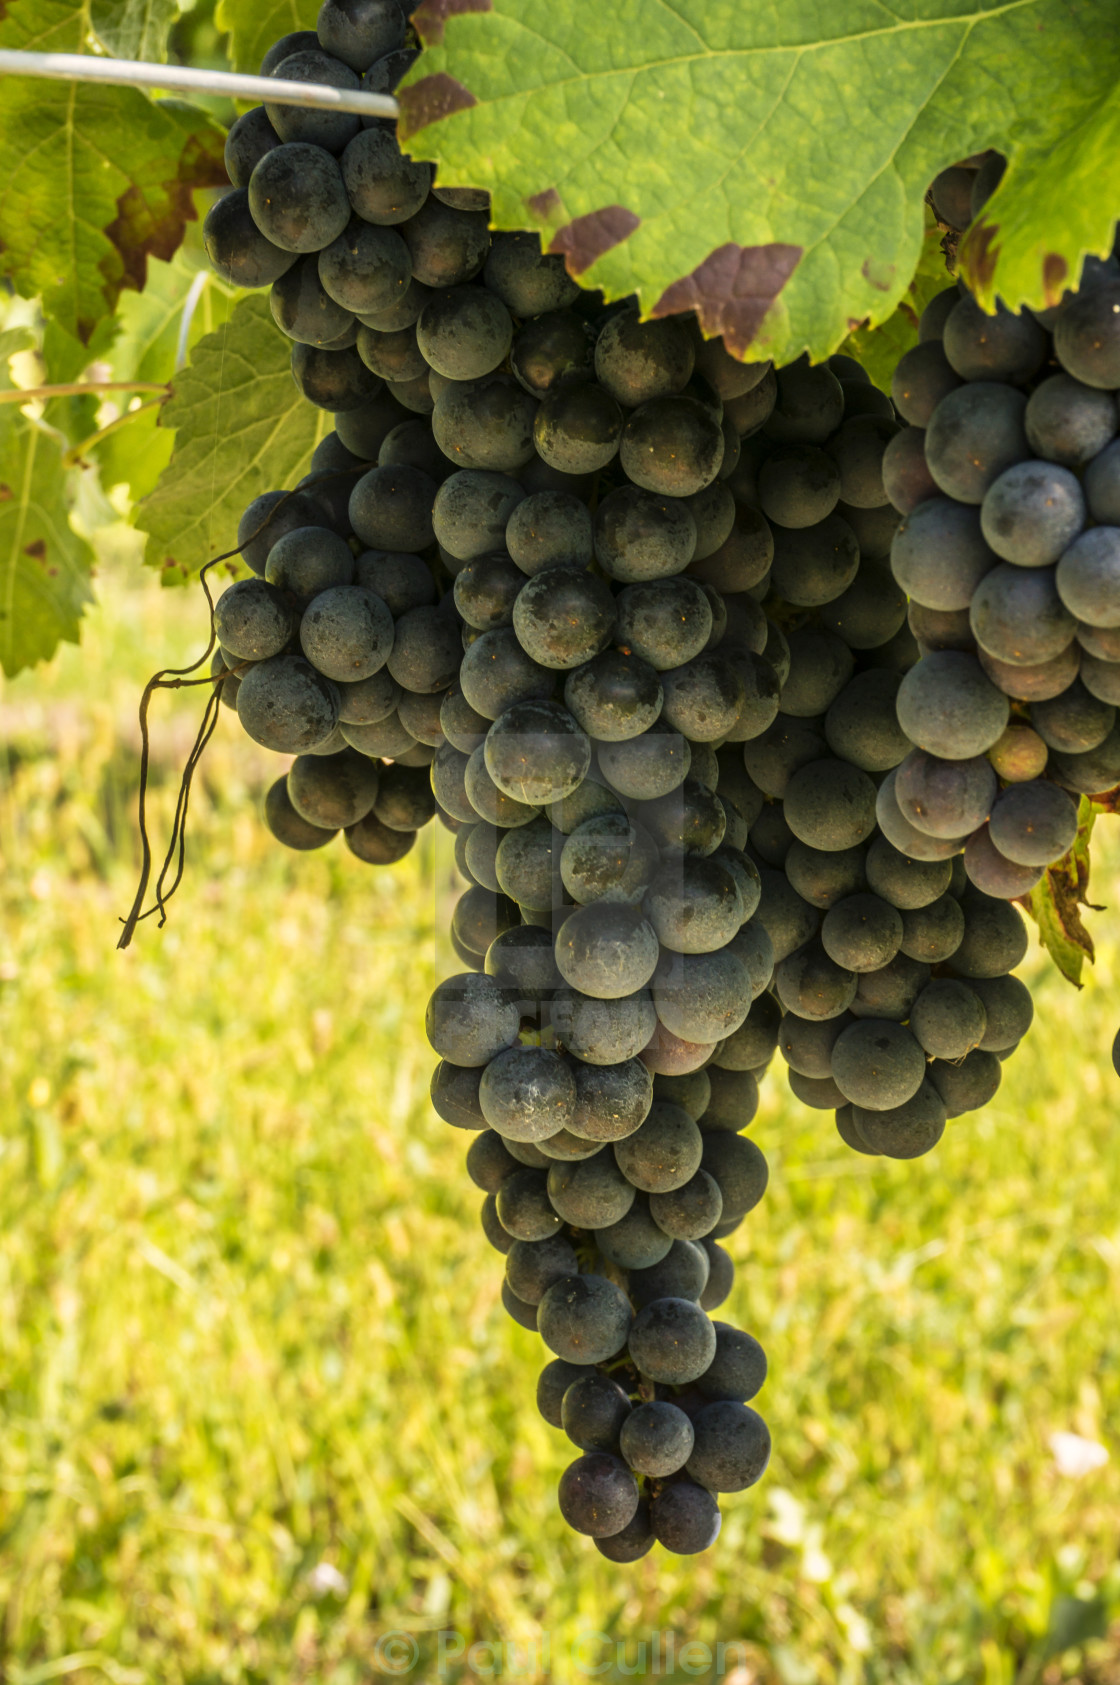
{"points": [[93, 180], [241, 427], [44, 565], [253, 25], [134, 29], [765, 164]]}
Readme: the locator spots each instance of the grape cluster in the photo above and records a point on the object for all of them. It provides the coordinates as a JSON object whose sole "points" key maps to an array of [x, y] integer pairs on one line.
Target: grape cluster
{"points": [[891, 1002], [1008, 480], [592, 769], [642, 626]]}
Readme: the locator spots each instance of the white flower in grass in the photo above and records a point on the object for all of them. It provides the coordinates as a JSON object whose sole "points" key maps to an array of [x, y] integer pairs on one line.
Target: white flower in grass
{"points": [[1074, 1456], [324, 1578]]}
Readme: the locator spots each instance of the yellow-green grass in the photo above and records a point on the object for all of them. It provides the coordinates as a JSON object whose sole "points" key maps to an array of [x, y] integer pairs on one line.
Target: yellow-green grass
{"points": [[249, 1325]]}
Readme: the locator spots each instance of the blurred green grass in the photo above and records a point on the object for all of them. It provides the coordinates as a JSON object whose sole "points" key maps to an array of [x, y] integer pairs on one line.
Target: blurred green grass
{"points": [[250, 1330]]}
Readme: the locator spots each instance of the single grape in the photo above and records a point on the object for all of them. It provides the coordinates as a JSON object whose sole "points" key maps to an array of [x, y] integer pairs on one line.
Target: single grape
{"points": [[951, 196], [862, 933], [598, 1495], [967, 1084], [869, 612], [447, 247], [238, 250], [1033, 824], [642, 537], [973, 435], [945, 798], [813, 565], [284, 704], [907, 480], [528, 282], [471, 1019], [922, 377], [1018, 615], [635, 1241], [947, 706], [1087, 337], [906, 1131], [297, 197], [594, 1408], [564, 618], [995, 938], [330, 129], [656, 1438], [1069, 422], [809, 404], [288, 826], [550, 529], [1009, 1010], [607, 858], [603, 1032], [577, 428], [1088, 577], [939, 554], [732, 1447], [830, 805], [1032, 513], [932, 934], [984, 347], [606, 950], [672, 1340], [637, 361]]}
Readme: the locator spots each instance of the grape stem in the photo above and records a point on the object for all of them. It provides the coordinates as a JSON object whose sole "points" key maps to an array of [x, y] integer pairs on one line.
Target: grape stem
{"points": [[79, 388], [74, 455], [88, 67]]}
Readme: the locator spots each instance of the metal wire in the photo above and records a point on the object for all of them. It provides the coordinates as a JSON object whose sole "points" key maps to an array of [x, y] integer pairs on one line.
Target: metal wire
{"points": [[82, 67]]}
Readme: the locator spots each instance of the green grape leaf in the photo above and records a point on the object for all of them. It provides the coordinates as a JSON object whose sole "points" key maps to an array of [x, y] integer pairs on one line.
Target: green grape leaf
{"points": [[1056, 204], [179, 299], [253, 26], [93, 180], [241, 427], [44, 565], [764, 165], [134, 29], [878, 349], [1055, 904]]}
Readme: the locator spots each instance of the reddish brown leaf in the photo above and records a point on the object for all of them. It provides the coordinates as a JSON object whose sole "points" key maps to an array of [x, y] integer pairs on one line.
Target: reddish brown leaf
{"points": [[584, 240], [431, 15], [732, 290], [983, 252], [430, 100], [1054, 272], [545, 205], [37, 551], [152, 216]]}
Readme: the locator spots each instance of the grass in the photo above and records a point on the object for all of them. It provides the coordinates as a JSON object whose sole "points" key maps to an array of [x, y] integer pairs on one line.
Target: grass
{"points": [[259, 1405]]}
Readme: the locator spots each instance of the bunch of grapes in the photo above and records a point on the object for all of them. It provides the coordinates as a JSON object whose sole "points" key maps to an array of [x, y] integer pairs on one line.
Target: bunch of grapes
{"points": [[1008, 480], [632, 619], [892, 1002]]}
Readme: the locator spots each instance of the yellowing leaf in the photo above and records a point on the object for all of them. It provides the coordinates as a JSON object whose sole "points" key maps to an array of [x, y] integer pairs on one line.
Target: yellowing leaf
{"points": [[44, 565], [765, 164], [93, 180]]}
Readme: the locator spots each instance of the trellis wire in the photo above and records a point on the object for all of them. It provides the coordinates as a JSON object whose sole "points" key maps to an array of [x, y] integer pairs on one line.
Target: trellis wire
{"points": [[82, 67]]}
